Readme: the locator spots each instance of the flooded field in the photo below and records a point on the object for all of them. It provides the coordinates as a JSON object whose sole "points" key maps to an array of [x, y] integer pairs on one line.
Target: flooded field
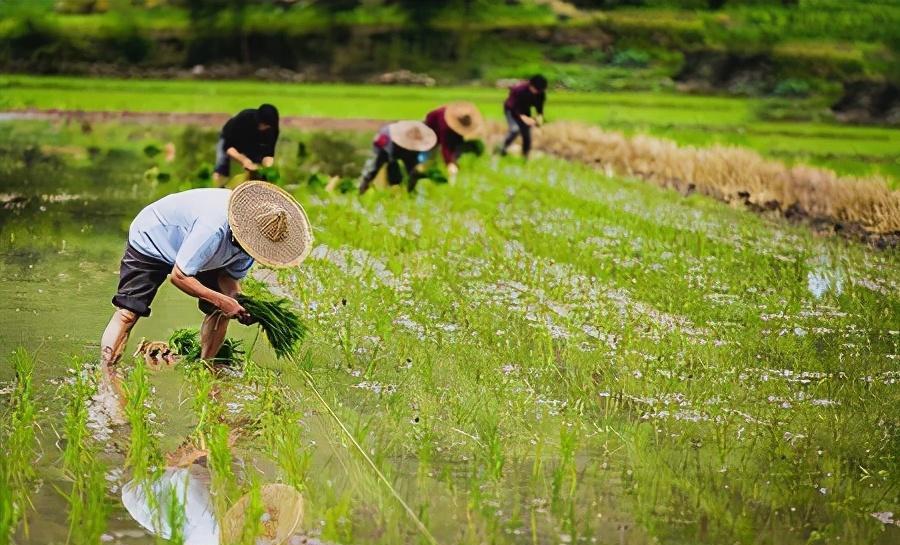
{"points": [[537, 354]]}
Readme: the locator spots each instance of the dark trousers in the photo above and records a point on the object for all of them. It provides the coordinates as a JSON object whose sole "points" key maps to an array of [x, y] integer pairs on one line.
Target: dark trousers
{"points": [[380, 157], [517, 127]]}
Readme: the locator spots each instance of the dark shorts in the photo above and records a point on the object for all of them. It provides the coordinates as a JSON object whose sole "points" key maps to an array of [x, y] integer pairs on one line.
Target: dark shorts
{"points": [[140, 277]]}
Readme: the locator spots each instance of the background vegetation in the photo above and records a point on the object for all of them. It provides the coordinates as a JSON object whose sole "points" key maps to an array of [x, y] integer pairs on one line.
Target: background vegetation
{"points": [[788, 49]]}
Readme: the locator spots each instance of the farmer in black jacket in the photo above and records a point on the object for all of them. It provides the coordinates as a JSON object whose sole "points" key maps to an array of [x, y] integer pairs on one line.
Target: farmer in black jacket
{"points": [[249, 138], [517, 108]]}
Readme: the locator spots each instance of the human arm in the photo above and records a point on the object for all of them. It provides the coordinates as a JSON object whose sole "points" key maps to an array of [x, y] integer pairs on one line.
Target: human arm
{"points": [[225, 303], [528, 120], [231, 287], [452, 171], [241, 158], [195, 254]]}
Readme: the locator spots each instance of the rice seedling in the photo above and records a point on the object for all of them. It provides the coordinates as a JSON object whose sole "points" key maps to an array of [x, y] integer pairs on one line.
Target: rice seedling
{"points": [[214, 437], [280, 428], [224, 485], [175, 516], [89, 507], [19, 449], [254, 512], [144, 456]]}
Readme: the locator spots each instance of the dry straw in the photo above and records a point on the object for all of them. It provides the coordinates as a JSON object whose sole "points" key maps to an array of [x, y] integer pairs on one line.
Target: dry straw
{"points": [[731, 174]]}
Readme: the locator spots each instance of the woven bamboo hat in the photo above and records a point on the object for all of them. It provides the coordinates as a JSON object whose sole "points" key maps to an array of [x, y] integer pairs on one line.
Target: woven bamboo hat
{"points": [[282, 515], [269, 224], [464, 118], [412, 135]]}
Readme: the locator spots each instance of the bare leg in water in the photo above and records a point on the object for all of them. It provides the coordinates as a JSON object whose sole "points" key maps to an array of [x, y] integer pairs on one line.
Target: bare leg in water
{"points": [[212, 335], [111, 345]]}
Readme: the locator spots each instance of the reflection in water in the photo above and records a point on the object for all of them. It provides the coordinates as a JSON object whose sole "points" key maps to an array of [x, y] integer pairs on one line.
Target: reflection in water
{"points": [[181, 496], [148, 503]]}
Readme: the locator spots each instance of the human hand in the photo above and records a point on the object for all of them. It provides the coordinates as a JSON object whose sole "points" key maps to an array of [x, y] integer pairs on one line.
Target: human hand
{"points": [[247, 319], [232, 309], [250, 165], [268, 161]]}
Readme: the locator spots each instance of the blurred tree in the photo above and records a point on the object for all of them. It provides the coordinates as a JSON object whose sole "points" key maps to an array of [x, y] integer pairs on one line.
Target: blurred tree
{"points": [[422, 12], [81, 6], [605, 4], [204, 15], [337, 5]]}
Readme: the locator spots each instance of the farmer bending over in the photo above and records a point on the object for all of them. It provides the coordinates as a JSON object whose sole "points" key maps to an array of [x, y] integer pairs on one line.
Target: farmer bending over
{"points": [[249, 138], [205, 241], [522, 98], [454, 124], [403, 141]]}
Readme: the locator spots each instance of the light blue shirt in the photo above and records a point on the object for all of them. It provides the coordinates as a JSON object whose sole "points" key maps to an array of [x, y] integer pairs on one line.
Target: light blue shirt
{"points": [[190, 229]]}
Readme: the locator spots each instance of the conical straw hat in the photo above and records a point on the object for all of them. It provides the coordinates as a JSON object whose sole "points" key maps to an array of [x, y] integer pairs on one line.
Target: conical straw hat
{"points": [[464, 118], [412, 135], [282, 515], [269, 224]]}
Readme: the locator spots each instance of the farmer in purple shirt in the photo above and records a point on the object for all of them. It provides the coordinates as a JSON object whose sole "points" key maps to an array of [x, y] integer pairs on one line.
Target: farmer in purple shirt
{"points": [[204, 241], [522, 98]]}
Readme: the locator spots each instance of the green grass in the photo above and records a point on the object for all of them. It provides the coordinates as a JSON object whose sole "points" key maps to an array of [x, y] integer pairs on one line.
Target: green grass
{"points": [[698, 120], [519, 353]]}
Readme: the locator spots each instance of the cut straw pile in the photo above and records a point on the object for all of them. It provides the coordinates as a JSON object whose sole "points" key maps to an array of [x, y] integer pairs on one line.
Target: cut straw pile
{"points": [[730, 174], [282, 325]]}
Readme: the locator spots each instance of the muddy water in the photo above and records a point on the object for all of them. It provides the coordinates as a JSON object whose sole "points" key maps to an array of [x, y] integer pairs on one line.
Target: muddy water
{"points": [[59, 263], [62, 233]]}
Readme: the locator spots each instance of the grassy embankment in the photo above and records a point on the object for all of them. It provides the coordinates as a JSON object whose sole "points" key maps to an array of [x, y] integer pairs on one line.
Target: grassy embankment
{"points": [[807, 49], [560, 355], [694, 120]]}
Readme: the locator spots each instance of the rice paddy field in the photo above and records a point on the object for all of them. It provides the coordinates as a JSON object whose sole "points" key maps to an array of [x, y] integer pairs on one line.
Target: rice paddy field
{"points": [[693, 120], [539, 353]]}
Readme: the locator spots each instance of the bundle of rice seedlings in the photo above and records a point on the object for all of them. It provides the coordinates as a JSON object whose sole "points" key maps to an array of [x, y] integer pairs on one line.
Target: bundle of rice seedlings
{"points": [[282, 325], [435, 174], [186, 343]]}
